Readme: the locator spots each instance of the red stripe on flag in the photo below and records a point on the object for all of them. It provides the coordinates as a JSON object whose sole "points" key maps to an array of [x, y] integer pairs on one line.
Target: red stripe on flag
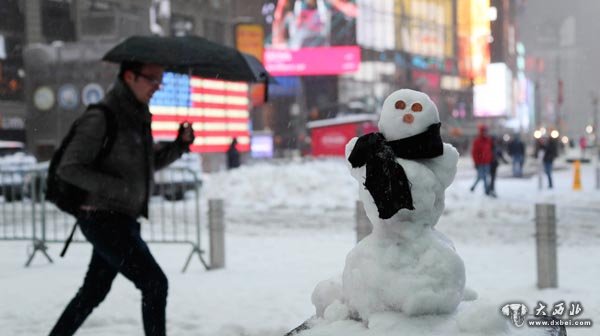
{"points": [[220, 106], [217, 148], [203, 119], [164, 133], [205, 134], [218, 92], [169, 117], [208, 134]]}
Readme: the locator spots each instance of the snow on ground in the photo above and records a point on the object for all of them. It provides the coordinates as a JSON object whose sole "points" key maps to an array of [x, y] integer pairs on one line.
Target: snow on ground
{"points": [[289, 226]]}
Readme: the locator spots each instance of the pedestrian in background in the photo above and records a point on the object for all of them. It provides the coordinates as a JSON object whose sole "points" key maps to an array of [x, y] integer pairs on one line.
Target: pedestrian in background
{"points": [[582, 145], [549, 147], [497, 156], [118, 189], [233, 155], [482, 154], [516, 150]]}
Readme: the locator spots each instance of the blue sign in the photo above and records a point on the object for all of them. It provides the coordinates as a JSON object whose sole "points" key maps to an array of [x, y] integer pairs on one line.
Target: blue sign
{"points": [[68, 98], [92, 93], [287, 86]]}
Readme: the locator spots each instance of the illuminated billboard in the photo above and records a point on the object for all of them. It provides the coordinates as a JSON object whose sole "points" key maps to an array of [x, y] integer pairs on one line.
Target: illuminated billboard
{"points": [[302, 35], [312, 61], [375, 25], [250, 38], [494, 97], [473, 39], [425, 27], [218, 111]]}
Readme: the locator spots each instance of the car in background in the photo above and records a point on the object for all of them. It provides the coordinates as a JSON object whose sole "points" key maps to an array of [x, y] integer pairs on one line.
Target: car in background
{"points": [[13, 174], [10, 147], [21, 176]]}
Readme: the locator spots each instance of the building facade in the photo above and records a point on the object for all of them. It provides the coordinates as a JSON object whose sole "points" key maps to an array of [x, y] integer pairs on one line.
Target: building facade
{"points": [[63, 42], [330, 58]]}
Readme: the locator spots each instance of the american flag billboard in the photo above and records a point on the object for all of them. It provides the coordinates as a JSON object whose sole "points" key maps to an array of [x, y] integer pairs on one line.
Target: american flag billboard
{"points": [[218, 111]]}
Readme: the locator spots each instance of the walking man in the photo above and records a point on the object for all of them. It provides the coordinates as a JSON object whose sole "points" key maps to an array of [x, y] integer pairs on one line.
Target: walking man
{"points": [[516, 150], [118, 188], [482, 155], [549, 146]]}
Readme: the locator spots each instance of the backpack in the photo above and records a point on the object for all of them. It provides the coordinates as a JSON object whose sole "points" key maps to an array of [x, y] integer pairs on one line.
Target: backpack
{"points": [[64, 195]]}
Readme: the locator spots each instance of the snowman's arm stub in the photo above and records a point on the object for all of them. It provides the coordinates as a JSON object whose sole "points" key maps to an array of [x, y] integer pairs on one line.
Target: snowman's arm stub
{"points": [[444, 167], [349, 147], [357, 173]]}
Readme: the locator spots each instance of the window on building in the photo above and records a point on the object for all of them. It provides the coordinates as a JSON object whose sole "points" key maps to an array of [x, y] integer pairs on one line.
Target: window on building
{"points": [[57, 23], [11, 79], [11, 18], [213, 30]]}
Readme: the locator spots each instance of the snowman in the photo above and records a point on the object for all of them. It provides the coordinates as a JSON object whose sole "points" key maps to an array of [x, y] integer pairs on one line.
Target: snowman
{"points": [[405, 265]]}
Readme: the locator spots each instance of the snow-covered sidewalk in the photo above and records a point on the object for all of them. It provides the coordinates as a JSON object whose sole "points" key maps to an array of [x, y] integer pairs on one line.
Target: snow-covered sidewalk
{"points": [[266, 287], [291, 226]]}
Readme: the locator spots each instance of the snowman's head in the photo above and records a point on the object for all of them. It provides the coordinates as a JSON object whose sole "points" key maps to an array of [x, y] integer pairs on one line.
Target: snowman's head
{"points": [[406, 113]]}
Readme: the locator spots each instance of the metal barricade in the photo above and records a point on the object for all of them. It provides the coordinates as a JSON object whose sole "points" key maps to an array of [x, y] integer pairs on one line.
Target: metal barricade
{"points": [[174, 217]]}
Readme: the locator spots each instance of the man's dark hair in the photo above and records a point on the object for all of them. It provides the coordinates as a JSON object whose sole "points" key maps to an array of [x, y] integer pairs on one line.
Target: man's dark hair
{"points": [[132, 66]]}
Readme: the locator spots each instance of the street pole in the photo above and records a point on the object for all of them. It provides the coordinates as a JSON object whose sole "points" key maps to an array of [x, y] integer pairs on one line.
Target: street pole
{"points": [[559, 94], [57, 45], [545, 233], [596, 140], [595, 120]]}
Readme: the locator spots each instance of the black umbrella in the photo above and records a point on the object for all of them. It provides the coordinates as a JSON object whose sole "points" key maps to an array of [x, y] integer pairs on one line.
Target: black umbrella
{"points": [[190, 55]]}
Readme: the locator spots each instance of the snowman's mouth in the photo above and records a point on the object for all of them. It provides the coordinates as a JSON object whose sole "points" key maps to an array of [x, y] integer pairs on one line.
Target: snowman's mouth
{"points": [[408, 118]]}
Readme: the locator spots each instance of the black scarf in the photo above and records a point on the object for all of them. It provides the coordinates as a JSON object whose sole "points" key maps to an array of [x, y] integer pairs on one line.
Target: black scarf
{"points": [[386, 180]]}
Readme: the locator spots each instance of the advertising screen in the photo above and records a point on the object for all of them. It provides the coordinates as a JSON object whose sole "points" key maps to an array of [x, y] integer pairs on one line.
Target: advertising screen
{"points": [[261, 146], [310, 37], [473, 39], [218, 111], [375, 24], [494, 98], [425, 27]]}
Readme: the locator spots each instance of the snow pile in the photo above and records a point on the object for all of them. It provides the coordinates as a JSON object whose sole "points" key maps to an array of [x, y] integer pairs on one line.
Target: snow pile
{"points": [[314, 186], [479, 318]]}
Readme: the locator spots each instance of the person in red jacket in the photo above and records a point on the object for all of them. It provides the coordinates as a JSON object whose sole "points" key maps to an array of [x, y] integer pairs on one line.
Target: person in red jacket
{"points": [[482, 154]]}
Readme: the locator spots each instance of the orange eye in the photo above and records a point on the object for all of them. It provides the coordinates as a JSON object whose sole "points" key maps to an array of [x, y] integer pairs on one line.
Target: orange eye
{"points": [[416, 107], [400, 104]]}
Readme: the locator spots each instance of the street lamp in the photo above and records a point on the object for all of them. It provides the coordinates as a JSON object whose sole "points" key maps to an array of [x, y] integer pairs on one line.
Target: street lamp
{"points": [[589, 129], [594, 96]]}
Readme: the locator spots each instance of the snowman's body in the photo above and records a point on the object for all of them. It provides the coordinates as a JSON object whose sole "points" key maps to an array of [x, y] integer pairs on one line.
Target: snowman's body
{"points": [[429, 179], [406, 265]]}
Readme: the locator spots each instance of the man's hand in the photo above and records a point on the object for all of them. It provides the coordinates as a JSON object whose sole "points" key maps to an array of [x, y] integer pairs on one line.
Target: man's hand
{"points": [[185, 135]]}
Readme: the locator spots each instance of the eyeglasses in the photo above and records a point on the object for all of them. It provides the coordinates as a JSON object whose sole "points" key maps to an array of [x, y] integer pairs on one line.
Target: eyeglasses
{"points": [[150, 80]]}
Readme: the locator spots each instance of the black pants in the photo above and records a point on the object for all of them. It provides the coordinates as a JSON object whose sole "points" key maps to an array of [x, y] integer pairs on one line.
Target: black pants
{"points": [[118, 248], [493, 170]]}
